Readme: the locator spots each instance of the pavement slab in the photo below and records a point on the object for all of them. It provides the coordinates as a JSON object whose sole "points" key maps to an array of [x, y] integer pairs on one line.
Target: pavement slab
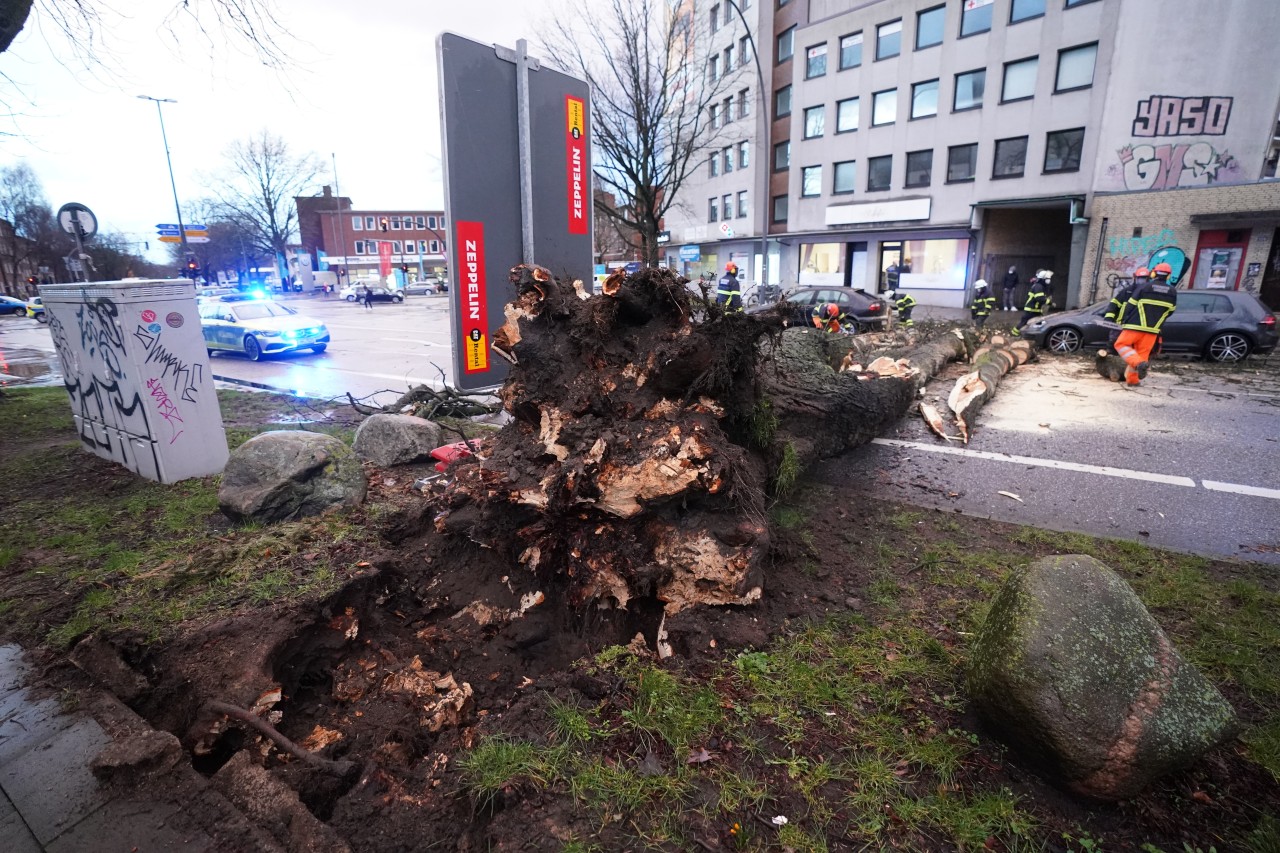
{"points": [[131, 827], [51, 784], [16, 837]]}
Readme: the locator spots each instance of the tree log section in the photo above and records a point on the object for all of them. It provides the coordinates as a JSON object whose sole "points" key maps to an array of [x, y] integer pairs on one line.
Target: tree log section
{"points": [[991, 362]]}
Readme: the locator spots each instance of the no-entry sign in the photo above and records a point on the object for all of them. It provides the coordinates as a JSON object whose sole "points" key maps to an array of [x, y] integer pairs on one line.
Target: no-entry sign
{"points": [[513, 193]]}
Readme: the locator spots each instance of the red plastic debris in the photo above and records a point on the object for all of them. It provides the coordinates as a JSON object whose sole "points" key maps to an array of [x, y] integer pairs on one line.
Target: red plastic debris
{"points": [[448, 454]]}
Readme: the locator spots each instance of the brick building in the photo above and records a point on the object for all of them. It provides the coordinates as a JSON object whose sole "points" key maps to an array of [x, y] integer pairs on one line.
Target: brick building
{"points": [[337, 236]]}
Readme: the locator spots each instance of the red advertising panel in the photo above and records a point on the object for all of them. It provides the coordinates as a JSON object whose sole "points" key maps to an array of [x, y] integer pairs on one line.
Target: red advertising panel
{"points": [[475, 303], [576, 153], [384, 258]]}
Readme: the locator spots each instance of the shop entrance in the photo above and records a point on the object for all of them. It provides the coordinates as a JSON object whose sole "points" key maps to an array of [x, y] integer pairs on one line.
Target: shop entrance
{"points": [[1219, 259], [1270, 289], [891, 265]]}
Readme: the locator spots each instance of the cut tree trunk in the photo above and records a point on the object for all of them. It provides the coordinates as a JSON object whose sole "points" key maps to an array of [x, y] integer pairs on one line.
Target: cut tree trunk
{"points": [[991, 362]]}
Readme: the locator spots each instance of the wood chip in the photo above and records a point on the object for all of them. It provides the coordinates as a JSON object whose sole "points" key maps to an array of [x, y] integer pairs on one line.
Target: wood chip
{"points": [[1011, 495]]}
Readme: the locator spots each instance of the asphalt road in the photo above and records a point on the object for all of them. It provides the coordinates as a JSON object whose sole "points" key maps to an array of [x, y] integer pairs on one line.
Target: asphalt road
{"points": [[1190, 460]]}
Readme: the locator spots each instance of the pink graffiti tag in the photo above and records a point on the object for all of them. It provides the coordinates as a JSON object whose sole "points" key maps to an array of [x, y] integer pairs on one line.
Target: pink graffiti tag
{"points": [[1163, 167], [165, 407]]}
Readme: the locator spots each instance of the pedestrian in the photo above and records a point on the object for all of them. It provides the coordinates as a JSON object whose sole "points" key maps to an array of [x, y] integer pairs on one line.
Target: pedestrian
{"points": [[728, 291], [1010, 287], [828, 317], [1037, 299], [904, 302], [368, 298], [983, 303], [1149, 305]]}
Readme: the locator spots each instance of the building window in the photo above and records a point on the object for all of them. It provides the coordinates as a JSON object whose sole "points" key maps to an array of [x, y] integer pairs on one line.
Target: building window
{"points": [[421, 222], [815, 119], [879, 173], [1071, 3], [395, 223], [779, 208], [962, 162], [786, 44], [782, 156], [888, 39], [1011, 158], [815, 61], [396, 248], [744, 103], [713, 210], [431, 222], [850, 51], [727, 109], [727, 155], [929, 26], [713, 116], [924, 99], [1019, 79], [1075, 67], [744, 48], [422, 246], [728, 58], [1023, 10], [436, 247], [975, 17], [782, 102], [744, 154], [726, 207], [1062, 150], [715, 18], [969, 89], [728, 14], [357, 223], [884, 107], [919, 168], [368, 223], [846, 115], [810, 181], [713, 68], [713, 166], [359, 247], [844, 175], [742, 204]]}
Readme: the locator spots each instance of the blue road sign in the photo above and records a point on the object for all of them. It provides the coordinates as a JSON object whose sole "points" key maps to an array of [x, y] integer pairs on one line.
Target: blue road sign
{"points": [[168, 232], [164, 226]]}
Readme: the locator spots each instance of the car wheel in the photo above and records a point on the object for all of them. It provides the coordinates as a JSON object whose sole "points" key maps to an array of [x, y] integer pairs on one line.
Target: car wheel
{"points": [[319, 348], [1229, 347], [252, 348], [42, 318], [1064, 340], [397, 299], [18, 312], [351, 298]]}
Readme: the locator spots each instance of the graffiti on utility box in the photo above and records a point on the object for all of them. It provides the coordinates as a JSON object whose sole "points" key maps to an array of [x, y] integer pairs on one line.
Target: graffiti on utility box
{"points": [[1174, 115]]}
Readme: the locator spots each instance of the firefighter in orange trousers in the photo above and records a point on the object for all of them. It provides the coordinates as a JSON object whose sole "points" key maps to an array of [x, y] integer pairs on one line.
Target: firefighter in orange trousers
{"points": [[1149, 305], [828, 317]]}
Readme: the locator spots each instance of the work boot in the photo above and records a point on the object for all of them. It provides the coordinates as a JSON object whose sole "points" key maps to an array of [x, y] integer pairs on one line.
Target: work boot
{"points": [[1141, 367], [1131, 376]]}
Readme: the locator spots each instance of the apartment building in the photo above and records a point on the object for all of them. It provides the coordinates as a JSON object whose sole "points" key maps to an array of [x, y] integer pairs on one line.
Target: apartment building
{"points": [[339, 236], [929, 143]]}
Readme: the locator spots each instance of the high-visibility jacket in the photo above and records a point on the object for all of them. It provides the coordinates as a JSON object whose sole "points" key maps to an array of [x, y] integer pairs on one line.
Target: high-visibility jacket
{"points": [[823, 320], [905, 302], [1116, 308], [1036, 297], [1149, 306], [728, 290], [983, 303]]}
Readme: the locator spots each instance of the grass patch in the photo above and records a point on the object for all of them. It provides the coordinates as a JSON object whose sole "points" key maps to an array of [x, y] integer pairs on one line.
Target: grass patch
{"points": [[788, 473]]}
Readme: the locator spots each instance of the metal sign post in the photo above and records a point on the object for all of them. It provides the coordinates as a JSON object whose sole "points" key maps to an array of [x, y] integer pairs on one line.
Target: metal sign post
{"points": [[78, 221], [517, 173]]}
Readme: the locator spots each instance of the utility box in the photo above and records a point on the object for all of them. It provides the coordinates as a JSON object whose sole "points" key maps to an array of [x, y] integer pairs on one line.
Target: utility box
{"points": [[136, 369]]}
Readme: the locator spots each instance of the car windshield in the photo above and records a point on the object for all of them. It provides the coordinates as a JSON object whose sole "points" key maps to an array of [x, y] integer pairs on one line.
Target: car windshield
{"points": [[259, 310]]}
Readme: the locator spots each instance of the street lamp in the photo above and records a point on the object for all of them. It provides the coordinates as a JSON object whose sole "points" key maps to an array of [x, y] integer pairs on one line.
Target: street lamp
{"points": [[762, 148], [182, 232]]}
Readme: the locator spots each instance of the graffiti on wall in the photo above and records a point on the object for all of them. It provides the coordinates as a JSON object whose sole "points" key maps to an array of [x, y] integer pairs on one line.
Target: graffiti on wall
{"points": [[1171, 165], [1174, 115]]}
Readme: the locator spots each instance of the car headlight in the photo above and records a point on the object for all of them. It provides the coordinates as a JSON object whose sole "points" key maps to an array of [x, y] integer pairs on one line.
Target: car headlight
{"points": [[1036, 324], [266, 333]]}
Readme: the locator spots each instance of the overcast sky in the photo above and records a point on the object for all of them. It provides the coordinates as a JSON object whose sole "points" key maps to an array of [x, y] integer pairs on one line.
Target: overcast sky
{"points": [[364, 88]]}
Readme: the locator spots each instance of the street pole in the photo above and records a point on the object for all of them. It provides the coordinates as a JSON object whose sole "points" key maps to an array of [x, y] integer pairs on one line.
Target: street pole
{"points": [[177, 208], [342, 226], [762, 154]]}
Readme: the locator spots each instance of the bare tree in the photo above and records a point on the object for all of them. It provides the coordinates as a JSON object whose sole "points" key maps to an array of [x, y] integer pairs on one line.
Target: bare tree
{"points": [[231, 245], [650, 105], [255, 191], [39, 242]]}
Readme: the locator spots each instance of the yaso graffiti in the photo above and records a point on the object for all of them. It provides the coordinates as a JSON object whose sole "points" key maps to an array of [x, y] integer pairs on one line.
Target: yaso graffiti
{"points": [[1171, 165], [1175, 115]]}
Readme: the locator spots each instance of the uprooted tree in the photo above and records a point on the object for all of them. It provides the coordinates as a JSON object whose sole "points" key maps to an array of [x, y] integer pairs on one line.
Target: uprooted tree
{"points": [[649, 427]]}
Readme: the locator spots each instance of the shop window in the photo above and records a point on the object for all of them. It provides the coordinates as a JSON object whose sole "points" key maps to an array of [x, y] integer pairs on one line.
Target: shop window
{"points": [[929, 26], [843, 177], [782, 156], [822, 264], [970, 87], [1019, 80], [1025, 10], [779, 208], [1011, 158], [975, 17], [815, 61], [1062, 150], [924, 99], [782, 102], [1075, 68], [943, 261], [919, 168], [962, 162], [786, 44], [884, 107], [879, 173], [888, 40], [810, 181], [850, 51], [815, 119]]}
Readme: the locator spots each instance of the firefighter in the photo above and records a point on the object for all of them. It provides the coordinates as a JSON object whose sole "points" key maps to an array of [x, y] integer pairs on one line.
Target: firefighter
{"points": [[1116, 308], [1037, 299], [984, 302], [904, 302], [828, 317], [1150, 304], [728, 290]]}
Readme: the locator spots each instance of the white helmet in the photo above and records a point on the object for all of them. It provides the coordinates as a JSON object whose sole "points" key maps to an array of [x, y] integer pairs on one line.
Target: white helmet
{"points": [[1039, 273], [1047, 273], [980, 283]]}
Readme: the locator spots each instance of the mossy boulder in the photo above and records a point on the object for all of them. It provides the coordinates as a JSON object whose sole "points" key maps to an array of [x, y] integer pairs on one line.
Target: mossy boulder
{"points": [[1071, 670], [387, 440], [288, 474]]}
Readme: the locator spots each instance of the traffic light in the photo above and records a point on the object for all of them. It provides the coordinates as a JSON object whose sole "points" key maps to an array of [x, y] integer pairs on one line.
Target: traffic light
{"points": [[404, 268], [192, 268], [383, 223], [31, 280]]}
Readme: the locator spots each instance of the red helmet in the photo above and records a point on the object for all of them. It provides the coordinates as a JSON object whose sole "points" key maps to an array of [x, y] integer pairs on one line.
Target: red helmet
{"points": [[1163, 269], [833, 310], [731, 267], [1142, 272]]}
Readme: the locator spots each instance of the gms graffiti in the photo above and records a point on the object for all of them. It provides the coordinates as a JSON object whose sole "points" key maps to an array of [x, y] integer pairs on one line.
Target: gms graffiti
{"points": [[1172, 165]]}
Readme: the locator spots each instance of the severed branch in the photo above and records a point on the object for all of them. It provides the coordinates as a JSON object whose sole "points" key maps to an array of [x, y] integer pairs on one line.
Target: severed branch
{"points": [[262, 727]]}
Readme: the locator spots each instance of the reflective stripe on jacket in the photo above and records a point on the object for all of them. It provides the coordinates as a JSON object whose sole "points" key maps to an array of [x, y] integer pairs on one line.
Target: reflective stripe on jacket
{"points": [[1149, 306], [983, 305], [905, 301], [1036, 298]]}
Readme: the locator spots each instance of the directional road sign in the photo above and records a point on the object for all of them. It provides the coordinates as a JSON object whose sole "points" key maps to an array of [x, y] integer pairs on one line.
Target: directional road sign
{"points": [[173, 239], [191, 239]]}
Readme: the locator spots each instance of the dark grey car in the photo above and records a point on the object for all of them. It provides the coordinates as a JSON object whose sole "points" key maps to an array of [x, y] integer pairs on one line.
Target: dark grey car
{"points": [[864, 309], [1221, 325]]}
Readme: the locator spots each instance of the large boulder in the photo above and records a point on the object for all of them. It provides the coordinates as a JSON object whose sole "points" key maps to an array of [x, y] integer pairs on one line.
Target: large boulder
{"points": [[387, 440], [1071, 669], [281, 475]]}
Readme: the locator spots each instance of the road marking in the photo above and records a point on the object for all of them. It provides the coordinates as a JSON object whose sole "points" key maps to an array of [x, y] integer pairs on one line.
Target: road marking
{"points": [[1103, 470], [1254, 491], [1228, 394]]}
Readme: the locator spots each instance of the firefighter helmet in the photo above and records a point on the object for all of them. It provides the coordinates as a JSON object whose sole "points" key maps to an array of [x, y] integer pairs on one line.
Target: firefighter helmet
{"points": [[1046, 274], [979, 284], [731, 268], [1142, 272], [833, 310], [1163, 270]]}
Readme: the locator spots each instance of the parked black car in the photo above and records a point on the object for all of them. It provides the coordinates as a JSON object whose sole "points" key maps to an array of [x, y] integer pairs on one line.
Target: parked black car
{"points": [[1222, 325], [866, 310]]}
